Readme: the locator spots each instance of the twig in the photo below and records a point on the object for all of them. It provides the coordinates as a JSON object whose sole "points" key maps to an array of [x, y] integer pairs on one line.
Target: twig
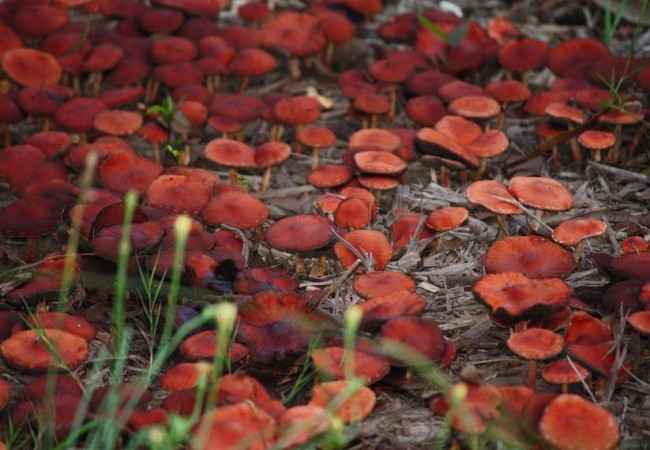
{"points": [[620, 173], [336, 284]]}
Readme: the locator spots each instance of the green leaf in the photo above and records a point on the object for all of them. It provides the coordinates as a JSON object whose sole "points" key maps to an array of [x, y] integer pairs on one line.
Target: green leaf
{"points": [[435, 29], [458, 34]]}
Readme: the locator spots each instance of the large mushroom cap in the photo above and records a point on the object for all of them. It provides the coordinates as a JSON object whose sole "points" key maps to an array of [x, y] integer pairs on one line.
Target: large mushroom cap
{"points": [[571, 422], [300, 233], [535, 256], [27, 351], [570, 232], [512, 297], [447, 218], [492, 194], [536, 343], [230, 153], [235, 209], [29, 67], [367, 242]]}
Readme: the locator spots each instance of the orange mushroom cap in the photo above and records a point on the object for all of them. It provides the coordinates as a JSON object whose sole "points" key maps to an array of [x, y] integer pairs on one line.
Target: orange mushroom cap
{"points": [[541, 193], [236, 209], [570, 232], [535, 256], [536, 344], [29, 67], [300, 233], [447, 218]]}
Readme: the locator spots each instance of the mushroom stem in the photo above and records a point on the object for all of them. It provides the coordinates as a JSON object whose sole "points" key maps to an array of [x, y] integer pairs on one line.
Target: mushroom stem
{"points": [[445, 177], [580, 247], [532, 374], [6, 137], [329, 53], [575, 148], [46, 124], [234, 179], [97, 83], [76, 86], [392, 100], [502, 224], [374, 120], [524, 78], [537, 217], [266, 177], [565, 388], [612, 155], [32, 249], [377, 197], [481, 168], [314, 157], [294, 68], [319, 269], [300, 264], [243, 84], [156, 152]]}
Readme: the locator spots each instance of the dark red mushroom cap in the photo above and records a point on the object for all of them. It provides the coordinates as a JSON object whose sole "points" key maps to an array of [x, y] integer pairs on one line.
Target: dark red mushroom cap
{"points": [[77, 115], [296, 33], [178, 194], [251, 62], [425, 110], [297, 110], [537, 103], [103, 57], [117, 122], [30, 217], [29, 67], [330, 361], [535, 256], [43, 101], [124, 171], [567, 60], [160, 20], [38, 20], [236, 209], [271, 153], [300, 233], [230, 153], [9, 110], [421, 336], [512, 296], [179, 74], [524, 54], [315, 136], [261, 279], [390, 71]]}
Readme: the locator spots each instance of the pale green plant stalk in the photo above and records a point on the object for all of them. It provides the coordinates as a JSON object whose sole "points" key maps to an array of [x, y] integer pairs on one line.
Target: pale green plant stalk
{"points": [[612, 21], [182, 228], [124, 250]]}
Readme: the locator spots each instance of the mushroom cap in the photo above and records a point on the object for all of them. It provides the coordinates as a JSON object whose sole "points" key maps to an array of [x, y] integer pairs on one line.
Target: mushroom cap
{"points": [[535, 256], [260, 279], [459, 129], [568, 59], [352, 213], [160, 20], [457, 88], [447, 218], [330, 361], [591, 342], [489, 144], [297, 110], [242, 425], [230, 153], [43, 101], [302, 423], [61, 321], [26, 351], [399, 303], [371, 242], [77, 115], [117, 123], [52, 143], [293, 32], [355, 408], [508, 91], [299, 233], [271, 153], [428, 82], [177, 194], [640, 321], [402, 230], [425, 110], [570, 232], [537, 103], [379, 162], [122, 172], [379, 183], [596, 139], [236, 209], [475, 107], [632, 265], [315, 136], [571, 422], [144, 236], [330, 175], [420, 336], [371, 103], [487, 193], [541, 193], [239, 107], [524, 54], [30, 217], [634, 244], [536, 343], [564, 372], [436, 143], [29, 67], [382, 282], [251, 62], [374, 137], [565, 114], [204, 345], [390, 70], [512, 297]]}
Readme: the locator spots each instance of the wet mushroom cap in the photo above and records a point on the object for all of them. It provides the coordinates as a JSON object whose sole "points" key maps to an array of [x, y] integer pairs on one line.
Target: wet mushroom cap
{"points": [[300, 233], [475, 107], [29, 67], [374, 137], [512, 297], [570, 232], [271, 153], [447, 218], [541, 193], [235, 209], [536, 343], [489, 194], [370, 242], [535, 256], [331, 362], [315, 136], [460, 129], [177, 194], [379, 162], [382, 282], [26, 351], [355, 408], [30, 217], [421, 336], [117, 123], [596, 140], [571, 422], [230, 153], [564, 372], [524, 54], [640, 321]]}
